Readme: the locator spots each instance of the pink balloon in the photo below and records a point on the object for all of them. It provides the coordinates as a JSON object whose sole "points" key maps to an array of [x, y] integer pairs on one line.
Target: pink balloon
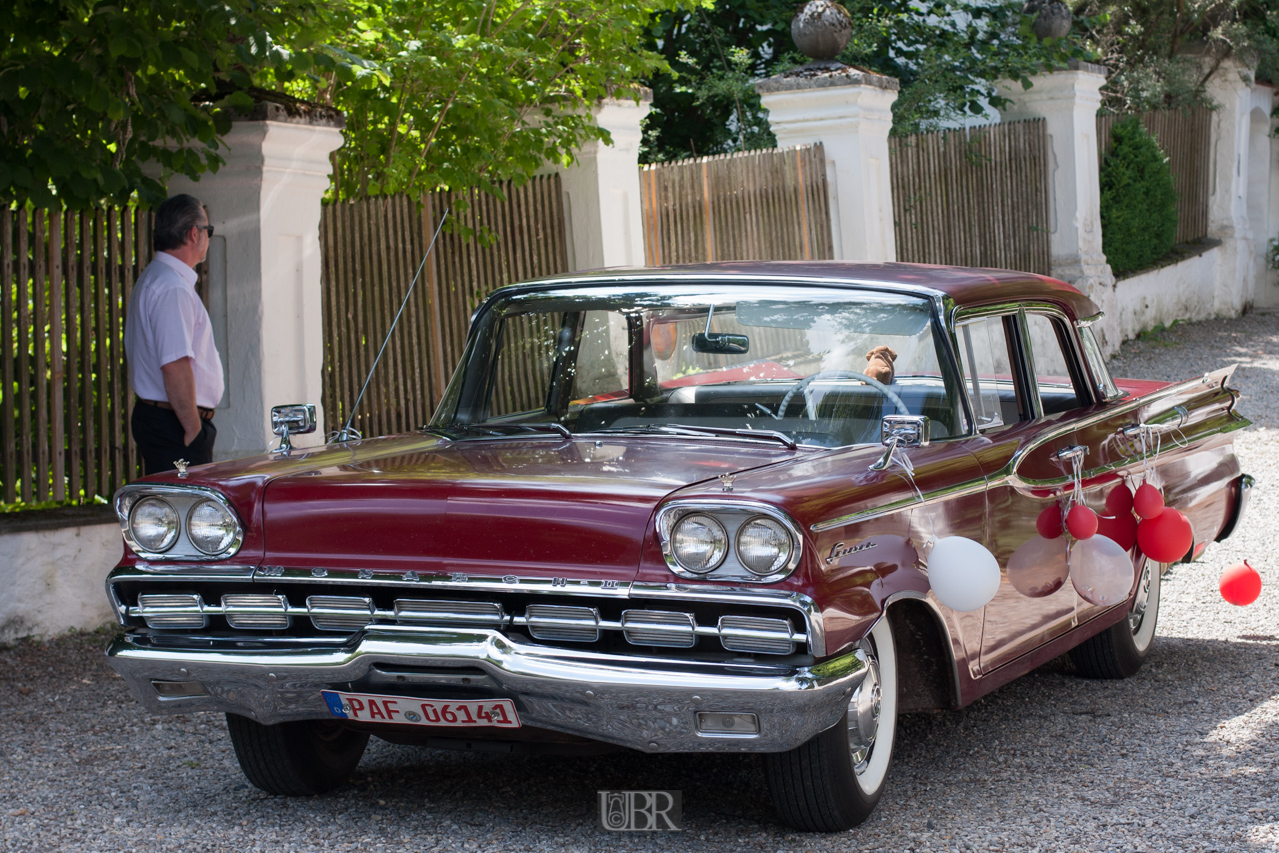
{"points": [[1039, 568], [1101, 571]]}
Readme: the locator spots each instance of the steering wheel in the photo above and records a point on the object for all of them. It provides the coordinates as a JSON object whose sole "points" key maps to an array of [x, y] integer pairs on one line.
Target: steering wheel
{"points": [[811, 410]]}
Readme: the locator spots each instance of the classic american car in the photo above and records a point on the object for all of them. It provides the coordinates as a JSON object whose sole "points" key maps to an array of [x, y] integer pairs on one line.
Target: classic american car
{"points": [[675, 509]]}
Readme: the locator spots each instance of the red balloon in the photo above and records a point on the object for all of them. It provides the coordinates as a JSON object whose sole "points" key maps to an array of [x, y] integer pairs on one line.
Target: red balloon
{"points": [[1148, 502], [1119, 501], [1240, 584], [1081, 522], [1049, 522], [1165, 538], [1122, 529]]}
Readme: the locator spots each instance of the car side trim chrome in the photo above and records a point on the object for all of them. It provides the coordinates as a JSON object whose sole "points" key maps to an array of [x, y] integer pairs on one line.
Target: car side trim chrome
{"points": [[935, 496]]}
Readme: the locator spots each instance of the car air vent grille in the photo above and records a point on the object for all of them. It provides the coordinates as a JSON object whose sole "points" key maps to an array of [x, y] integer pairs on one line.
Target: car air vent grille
{"points": [[254, 611], [168, 610], [659, 628], [561, 622], [339, 612], [478, 613], [756, 635]]}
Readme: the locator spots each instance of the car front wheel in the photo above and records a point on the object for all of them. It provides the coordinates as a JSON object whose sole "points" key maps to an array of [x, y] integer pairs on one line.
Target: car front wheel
{"points": [[295, 759], [833, 781], [1119, 651]]}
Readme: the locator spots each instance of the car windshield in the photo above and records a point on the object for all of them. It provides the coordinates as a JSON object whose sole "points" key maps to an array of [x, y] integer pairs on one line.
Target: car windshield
{"points": [[804, 366]]}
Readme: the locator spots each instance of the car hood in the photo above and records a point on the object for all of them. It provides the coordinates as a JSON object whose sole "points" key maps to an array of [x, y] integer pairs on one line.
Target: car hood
{"points": [[530, 505]]}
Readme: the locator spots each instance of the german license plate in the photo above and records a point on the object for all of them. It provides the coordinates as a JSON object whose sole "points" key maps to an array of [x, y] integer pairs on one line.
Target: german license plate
{"points": [[406, 710]]}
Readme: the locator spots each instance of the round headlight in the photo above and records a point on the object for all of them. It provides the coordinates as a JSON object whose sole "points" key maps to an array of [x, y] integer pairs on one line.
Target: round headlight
{"points": [[154, 525], [699, 543], [211, 527], [763, 545]]}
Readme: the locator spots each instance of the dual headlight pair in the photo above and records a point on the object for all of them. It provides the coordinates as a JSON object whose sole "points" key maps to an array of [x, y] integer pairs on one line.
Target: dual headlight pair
{"points": [[754, 544], [178, 523]]}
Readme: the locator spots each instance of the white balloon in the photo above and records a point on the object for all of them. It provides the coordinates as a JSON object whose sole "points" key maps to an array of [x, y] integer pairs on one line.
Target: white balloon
{"points": [[963, 574], [1101, 570]]}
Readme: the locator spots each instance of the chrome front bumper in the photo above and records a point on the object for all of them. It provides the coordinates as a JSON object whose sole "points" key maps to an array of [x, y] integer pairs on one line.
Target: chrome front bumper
{"points": [[649, 704]]}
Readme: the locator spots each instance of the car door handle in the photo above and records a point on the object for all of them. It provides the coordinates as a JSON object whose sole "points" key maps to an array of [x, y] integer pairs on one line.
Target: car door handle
{"points": [[1164, 423], [1074, 451]]}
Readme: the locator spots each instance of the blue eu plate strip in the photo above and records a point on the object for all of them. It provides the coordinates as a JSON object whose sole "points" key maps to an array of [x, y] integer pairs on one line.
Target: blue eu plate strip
{"points": [[334, 702]]}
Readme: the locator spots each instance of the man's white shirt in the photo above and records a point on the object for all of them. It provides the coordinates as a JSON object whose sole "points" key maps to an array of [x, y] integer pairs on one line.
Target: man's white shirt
{"points": [[166, 322]]}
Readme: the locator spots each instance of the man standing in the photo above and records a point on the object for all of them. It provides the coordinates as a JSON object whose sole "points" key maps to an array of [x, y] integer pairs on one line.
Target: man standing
{"points": [[173, 363]]}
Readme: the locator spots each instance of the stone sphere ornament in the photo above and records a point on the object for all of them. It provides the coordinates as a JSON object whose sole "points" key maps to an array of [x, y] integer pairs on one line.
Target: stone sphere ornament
{"points": [[1081, 522], [1240, 584], [963, 574], [1122, 528], [1050, 522], [1052, 18], [1148, 502], [821, 29], [1039, 567], [1101, 571], [1167, 537]]}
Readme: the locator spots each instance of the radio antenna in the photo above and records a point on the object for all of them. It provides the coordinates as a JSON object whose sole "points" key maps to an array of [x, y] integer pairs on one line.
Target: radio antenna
{"points": [[345, 433]]}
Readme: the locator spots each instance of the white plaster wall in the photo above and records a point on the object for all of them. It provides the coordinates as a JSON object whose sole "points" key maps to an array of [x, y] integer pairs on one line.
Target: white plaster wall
{"points": [[53, 580], [1183, 291]]}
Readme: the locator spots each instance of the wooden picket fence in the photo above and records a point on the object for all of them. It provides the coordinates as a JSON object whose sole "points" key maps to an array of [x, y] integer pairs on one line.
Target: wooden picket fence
{"points": [[755, 205], [1186, 137], [65, 280], [975, 197], [371, 251]]}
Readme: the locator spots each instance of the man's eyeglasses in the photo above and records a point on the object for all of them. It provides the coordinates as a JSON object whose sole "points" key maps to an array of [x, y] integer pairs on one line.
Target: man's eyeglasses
{"points": [[208, 229]]}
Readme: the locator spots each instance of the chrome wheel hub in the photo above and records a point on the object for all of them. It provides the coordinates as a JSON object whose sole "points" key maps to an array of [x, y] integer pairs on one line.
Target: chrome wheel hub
{"points": [[863, 715], [1140, 600]]}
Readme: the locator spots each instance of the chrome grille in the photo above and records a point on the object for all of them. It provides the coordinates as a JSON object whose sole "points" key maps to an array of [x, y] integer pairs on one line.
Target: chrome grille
{"points": [[252, 610], [477, 613], [561, 622], [339, 612], [659, 628], [756, 634], [169, 610]]}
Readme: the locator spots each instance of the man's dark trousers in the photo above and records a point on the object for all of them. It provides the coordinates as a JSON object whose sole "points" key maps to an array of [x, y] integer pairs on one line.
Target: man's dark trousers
{"points": [[159, 433]]}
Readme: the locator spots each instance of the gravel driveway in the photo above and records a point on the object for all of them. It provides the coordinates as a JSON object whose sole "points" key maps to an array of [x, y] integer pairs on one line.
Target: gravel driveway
{"points": [[1183, 757]]}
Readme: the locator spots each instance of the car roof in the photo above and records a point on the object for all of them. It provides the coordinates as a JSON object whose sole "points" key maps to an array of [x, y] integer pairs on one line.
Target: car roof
{"points": [[967, 287]]}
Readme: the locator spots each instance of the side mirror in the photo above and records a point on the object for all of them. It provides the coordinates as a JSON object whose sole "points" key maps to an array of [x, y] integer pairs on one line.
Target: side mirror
{"points": [[721, 344], [294, 419], [900, 431]]}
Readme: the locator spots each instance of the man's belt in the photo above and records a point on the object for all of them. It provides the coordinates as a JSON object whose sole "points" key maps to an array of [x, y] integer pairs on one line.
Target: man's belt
{"points": [[205, 414]]}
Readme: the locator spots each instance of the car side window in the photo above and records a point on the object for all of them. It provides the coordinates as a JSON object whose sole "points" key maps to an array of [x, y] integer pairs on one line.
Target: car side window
{"points": [[1053, 374], [988, 372], [524, 362]]}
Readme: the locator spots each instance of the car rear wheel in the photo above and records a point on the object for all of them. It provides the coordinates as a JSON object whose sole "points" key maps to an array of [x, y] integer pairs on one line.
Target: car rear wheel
{"points": [[295, 759], [1119, 651], [833, 782]]}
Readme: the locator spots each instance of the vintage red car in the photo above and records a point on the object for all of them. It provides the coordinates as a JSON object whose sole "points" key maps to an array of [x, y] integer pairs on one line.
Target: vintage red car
{"points": [[678, 509]]}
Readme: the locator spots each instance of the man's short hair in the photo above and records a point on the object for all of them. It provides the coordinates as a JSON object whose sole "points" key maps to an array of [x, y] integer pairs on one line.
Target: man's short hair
{"points": [[174, 219]]}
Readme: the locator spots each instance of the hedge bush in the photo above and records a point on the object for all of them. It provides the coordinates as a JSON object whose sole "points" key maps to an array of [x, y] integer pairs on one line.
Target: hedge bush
{"points": [[1138, 199]]}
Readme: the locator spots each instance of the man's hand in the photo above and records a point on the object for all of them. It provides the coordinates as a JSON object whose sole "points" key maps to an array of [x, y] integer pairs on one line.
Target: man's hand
{"points": [[179, 384]]}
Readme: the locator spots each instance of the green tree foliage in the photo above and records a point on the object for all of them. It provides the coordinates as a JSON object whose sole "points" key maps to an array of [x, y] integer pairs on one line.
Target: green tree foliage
{"points": [[705, 102], [1138, 199], [948, 54], [92, 95], [1162, 52], [472, 92]]}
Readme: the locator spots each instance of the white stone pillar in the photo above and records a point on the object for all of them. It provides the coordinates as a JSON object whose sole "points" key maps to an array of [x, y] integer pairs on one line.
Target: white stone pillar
{"points": [[850, 113], [1230, 88], [264, 271], [602, 191], [1266, 295], [1068, 101]]}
